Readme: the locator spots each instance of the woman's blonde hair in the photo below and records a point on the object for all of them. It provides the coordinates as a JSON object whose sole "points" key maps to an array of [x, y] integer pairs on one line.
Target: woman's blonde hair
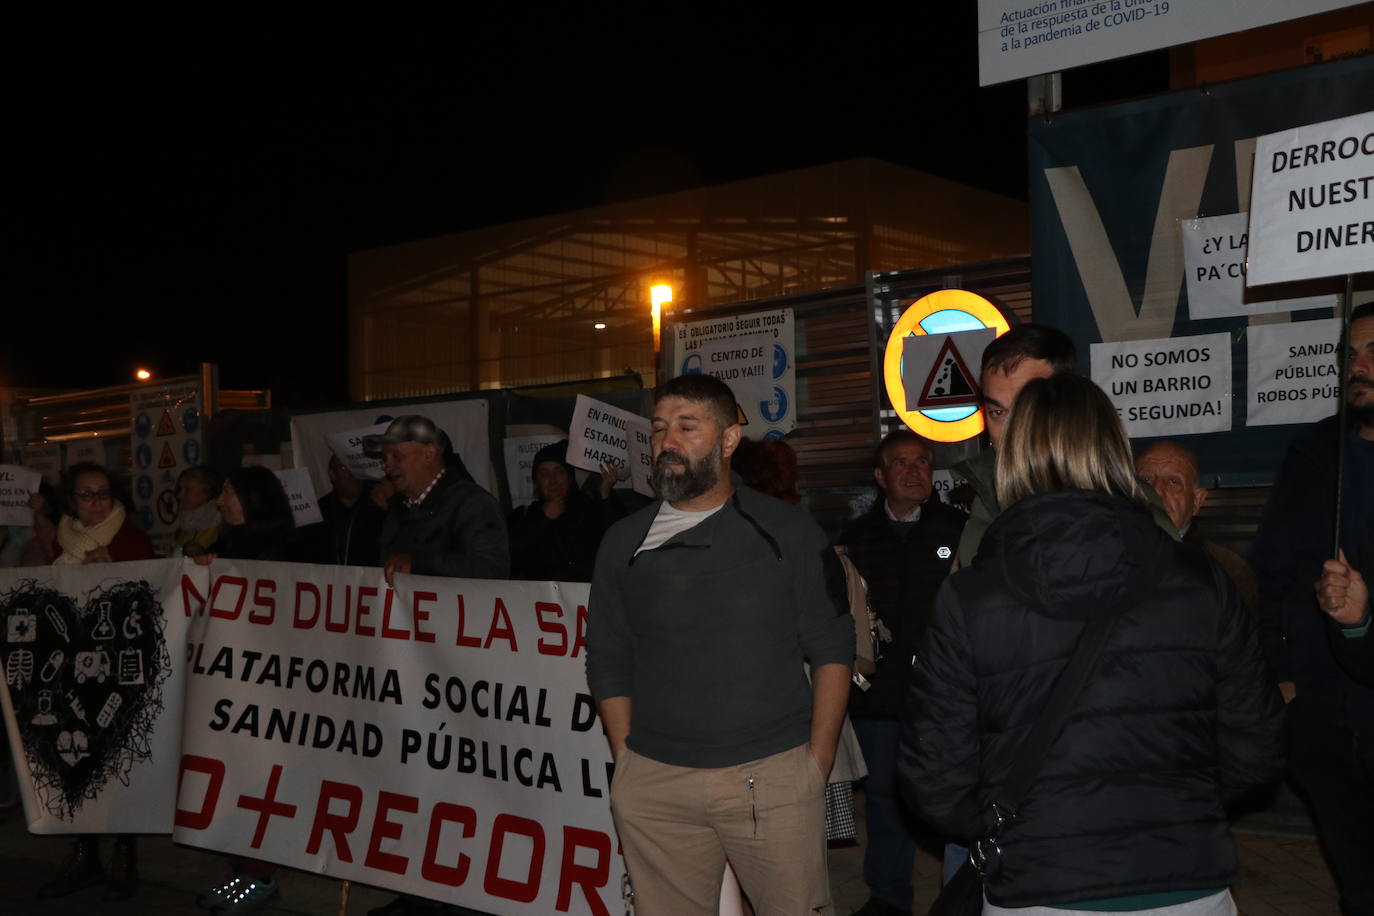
{"points": [[1064, 434]]}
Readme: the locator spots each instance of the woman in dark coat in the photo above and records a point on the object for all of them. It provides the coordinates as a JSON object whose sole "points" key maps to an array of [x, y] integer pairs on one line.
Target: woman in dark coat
{"points": [[1178, 714]]}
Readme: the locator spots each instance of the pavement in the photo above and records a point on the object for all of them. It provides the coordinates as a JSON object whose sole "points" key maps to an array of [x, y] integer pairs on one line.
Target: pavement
{"points": [[1282, 872]]}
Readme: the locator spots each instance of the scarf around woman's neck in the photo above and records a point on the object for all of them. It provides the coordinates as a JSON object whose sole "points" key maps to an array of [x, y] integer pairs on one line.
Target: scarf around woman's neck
{"points": [[76, 540]]}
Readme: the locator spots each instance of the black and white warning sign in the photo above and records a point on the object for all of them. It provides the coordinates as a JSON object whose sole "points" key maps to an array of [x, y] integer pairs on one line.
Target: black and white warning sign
{"points": [[1175, 386], [941, 370], [1294, 372]]}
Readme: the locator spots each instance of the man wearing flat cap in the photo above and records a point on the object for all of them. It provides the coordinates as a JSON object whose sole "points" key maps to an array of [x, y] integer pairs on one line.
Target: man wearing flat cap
{"points": [[440, 522]]}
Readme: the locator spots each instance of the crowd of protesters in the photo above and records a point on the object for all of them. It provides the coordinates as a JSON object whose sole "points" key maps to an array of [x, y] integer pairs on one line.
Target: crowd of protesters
{"points": [[1061, 679]]}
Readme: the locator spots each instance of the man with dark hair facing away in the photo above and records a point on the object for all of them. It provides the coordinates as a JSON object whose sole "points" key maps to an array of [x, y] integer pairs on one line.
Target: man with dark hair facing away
{"points": [[903, 547], [704, 605]]}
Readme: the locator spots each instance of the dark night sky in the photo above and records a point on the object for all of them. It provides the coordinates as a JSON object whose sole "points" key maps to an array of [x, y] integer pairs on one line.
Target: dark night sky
{"points": [[172, 206]]}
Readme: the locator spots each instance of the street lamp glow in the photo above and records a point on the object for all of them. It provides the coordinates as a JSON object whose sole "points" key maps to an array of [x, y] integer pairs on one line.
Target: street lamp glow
{"points": [[600, 325], [143, 375], [660, 294]]}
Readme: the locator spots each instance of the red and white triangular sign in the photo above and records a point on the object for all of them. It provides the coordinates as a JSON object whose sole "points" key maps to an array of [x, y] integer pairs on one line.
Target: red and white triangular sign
{"points": [[950, 383]]}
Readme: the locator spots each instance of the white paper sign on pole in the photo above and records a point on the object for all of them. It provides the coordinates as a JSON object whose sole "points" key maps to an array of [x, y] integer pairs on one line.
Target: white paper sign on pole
{"points": [[300, 490], [1214, 250], [1294, 372], [438, 739], [94, 660], [520, 452], [601, 433], [1312, 205], [46, 459], [1175, 386], [85, 450], [348, 446], [775, 413], [17, 484]]}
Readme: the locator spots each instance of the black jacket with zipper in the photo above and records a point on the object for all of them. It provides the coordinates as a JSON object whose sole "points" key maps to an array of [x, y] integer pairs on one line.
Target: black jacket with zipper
{"points": [[1179, 715]]}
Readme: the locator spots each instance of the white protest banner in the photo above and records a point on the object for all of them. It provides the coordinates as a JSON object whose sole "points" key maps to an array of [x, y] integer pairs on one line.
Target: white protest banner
{"points": [[348, 446], [1175, 386], [94, 661], [1312, 205], [17, 484], [743, 363], [1294, 372], [520, 452], [168, 425], [600, 433], [464, 421], [1019, 38], [774, 414], [90, 450], [438, 739], [46, 459], [1214, 250], [943, 482], [300, 491]]}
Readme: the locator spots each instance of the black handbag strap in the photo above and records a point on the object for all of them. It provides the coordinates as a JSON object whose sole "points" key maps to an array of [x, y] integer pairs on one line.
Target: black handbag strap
{"points": [[1030, 756]]}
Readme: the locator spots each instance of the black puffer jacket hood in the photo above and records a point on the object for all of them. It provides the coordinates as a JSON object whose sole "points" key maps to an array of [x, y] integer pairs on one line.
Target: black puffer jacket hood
{"points": [[1073, 555]]}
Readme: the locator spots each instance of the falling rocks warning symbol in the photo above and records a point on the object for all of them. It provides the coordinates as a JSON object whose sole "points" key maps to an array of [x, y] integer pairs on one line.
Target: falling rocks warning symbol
{"points": [[950, 382], [165, 426]]}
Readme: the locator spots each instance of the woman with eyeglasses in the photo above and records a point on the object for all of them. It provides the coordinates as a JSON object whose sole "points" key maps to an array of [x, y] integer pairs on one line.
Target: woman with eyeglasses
{"points": [[97, 528]]}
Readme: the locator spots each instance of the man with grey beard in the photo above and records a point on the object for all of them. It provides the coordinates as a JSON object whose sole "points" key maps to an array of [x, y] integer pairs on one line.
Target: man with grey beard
{"points": [[704, 606]]}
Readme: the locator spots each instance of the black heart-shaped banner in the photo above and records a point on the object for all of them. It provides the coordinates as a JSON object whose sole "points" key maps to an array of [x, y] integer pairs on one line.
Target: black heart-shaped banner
{"points": [[86, 681]]}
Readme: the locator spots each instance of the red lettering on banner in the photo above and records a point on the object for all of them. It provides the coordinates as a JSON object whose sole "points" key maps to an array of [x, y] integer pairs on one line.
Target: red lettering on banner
{"points": [[330, 624], [267, 805], [298, 621], [383, 829], [388, 631], [199, 820], [588, 877], [464, 640], [581, 642], [188, 589], [225, 613], [338, 825], [418, 615], [365, 591], [267, 602], [519, 891], [431, 870], [552, 627], [506, 632]]}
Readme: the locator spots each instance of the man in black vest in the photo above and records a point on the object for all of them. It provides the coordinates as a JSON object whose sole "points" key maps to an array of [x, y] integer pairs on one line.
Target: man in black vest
{"points": [[903, 547]]}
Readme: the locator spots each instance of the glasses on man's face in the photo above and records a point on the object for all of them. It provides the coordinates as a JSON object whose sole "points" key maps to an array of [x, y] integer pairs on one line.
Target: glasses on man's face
{"points": [[93, 496]]}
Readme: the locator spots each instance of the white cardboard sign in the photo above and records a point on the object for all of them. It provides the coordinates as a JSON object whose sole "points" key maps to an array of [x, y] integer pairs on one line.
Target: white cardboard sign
{"points": [[1175, 386], [1312, 206], [602, 433], [742, 363], [91, 450], [520, 452], [1214, 250], [300, 490], [17, 484], [1294, 372], [348, 446]]}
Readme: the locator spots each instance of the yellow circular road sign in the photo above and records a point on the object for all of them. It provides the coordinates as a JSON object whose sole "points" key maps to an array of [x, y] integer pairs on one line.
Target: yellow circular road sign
{"points": [[944, 312]]}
